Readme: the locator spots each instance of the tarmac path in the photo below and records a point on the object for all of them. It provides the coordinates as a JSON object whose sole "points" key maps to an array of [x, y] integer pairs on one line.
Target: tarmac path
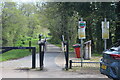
{"points": [[53, 64]]}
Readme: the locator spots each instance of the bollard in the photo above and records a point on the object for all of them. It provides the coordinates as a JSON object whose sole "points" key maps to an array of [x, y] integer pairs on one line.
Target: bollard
{"points": [[41, 54], [33, 58], [70, 64], [33, 53]]}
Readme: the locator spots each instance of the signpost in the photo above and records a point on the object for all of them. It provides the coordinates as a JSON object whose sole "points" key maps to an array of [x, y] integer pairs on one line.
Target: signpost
{"points": [[105, 32], [81, 35]]}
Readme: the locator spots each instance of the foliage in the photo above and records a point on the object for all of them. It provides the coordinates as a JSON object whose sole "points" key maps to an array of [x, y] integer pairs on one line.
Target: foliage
{"points": [[20, 21], [23, 20], [62, 19]]}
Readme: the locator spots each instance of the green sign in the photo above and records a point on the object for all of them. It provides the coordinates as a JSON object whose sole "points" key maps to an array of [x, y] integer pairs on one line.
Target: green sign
{"points": [[82, 24]]}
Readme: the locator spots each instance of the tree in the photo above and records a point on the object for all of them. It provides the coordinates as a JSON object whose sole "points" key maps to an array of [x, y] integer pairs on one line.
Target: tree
{"points": [[62, 16], [117, 30], [13, 24]]}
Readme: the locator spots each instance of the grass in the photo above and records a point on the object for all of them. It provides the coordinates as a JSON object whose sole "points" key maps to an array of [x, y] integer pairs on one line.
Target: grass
{"points": [[71, 49], [95, 54], [34, 43], [56, 44], [59, 45], [14, 54]]}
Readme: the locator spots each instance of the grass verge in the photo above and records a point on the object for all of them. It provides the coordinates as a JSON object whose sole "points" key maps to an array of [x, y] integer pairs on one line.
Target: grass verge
{"points": [[14, 54], [19, 53]]}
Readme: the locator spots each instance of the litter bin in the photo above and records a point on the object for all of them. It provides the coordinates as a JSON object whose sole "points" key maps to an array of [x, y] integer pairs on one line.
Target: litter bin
{"points": [[87, 50], [77, 50]]}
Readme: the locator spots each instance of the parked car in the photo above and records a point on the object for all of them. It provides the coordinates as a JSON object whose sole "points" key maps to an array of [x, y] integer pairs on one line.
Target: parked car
{"points": [[110, 63]]}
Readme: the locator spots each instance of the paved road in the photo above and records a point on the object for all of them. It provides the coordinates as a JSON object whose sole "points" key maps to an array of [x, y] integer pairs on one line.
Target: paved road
{"points": [[53, 62]]}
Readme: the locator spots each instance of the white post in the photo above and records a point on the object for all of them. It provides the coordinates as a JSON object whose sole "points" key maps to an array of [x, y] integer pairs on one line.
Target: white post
{"points": [[81, 19], [90, 49], [105, 44], [63, 47], [63, 37], [105, 20], [105, 41], [81, 49]]}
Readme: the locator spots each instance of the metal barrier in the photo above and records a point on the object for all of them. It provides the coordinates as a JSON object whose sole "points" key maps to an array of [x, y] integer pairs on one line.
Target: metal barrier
{"points": [[81, 62], [88, 67], [33, 53], [41, 54], [42, 48], [65, 49], [66, 53]]}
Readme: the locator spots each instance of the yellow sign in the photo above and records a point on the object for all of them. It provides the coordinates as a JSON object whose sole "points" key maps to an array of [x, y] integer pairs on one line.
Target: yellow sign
{"points": [[81, 33], [105, 30]]}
